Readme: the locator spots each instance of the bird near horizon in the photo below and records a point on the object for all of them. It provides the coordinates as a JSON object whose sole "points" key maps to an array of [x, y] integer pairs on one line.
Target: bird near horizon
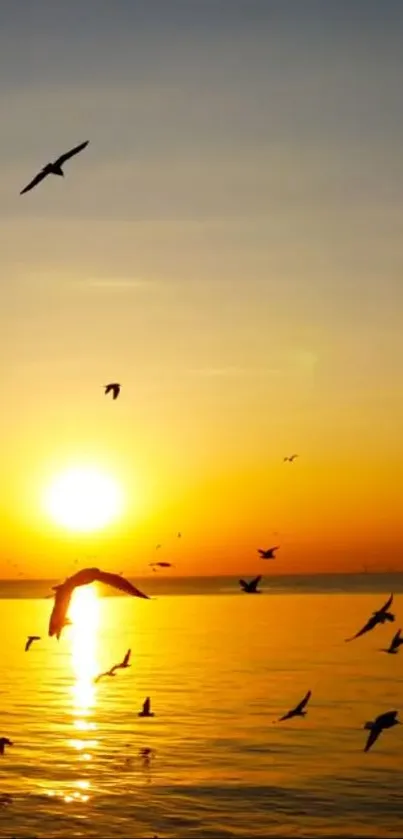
{"points": [[54, 168], [268, 553], [161, 565], [290, 458], [4, 741], [84, 577], [381, 616], [395, 643], [299, 710], [121, 666], [30, 640], [251, 587], [114, 388], [378, 725], [146, 710]]}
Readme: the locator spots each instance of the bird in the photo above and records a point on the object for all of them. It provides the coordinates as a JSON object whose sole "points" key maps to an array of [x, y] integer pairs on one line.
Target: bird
{"points": [[395, 643], [251, 587], [298, 711], [375, 728], [290, 459], [179, 536], [125, 663], [114, 387], [4, 741], [381, 616], [30, 640], [146, 712], [54, 168], [100, 676], [269, 553], [84, 577], [157, 547], [161, 565]]}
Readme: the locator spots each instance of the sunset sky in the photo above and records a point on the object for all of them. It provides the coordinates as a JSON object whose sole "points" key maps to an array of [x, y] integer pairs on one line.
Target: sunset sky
{"points": [[229, 248]]}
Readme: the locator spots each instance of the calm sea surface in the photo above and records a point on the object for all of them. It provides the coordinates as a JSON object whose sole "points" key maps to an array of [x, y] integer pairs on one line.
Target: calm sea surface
{"points": [[220, 668]]}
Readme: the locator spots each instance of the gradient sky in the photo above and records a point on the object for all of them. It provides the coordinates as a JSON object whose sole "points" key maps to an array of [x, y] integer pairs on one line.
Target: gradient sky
{"points": [[228, 247]]}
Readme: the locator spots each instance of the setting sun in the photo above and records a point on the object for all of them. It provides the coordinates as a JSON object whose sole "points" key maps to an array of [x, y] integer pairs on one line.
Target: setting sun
{"points": [[83, 499]]}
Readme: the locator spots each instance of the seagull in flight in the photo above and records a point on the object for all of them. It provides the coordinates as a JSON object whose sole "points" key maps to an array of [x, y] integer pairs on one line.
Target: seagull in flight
{"points": [[161, 565], [381, 616], [299, 710], [4, 741], [268, 553], [113, 387], [112, 672], [375, 728], [395, 643], [30, 640], [84, 577], [251, 587], [146, 711], [54, 168], [290, 459]]}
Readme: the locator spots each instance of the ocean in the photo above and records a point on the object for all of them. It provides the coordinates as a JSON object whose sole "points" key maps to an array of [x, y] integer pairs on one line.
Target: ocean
{"points": [[220, 668]]}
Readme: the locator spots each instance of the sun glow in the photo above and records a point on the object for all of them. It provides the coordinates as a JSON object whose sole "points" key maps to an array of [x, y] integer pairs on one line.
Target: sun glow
{"points": [[83, 499]]}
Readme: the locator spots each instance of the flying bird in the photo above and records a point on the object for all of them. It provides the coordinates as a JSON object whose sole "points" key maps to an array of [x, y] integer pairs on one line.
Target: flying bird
{"points": [[291, 458], [54, 168], [375, 728], [146, 711], [395, 643], [30, 640], [381, 616], [100, 676], [84, 577], [251, 587], [269, 553], [299, 710], [113, 387], [161, 565], [125, 663], [4, 741]]}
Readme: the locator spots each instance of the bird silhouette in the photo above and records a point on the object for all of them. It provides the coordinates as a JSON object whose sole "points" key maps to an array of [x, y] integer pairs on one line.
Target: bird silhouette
{"points": [[112, 671], [54, 168], [100, 676], [380, 723], [161, 565], [268, 553], [146, 710], [298, 711], [84, 577], [395, 643], [251, 587], [290, 459], [30, 640], [113, 387], [4, 741], [381, 616], [179, 535]]}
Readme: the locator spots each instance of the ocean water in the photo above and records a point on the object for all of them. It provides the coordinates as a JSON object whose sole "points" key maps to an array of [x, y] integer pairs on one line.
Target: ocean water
{"points": [[220, 668]]}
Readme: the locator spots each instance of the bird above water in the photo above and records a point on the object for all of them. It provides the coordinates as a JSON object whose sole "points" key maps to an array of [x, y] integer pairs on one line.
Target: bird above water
{"points": [[161, 565], [251, 587], [395, 643], [298, 711], [290, 459], [54, 168], [4, 741], [381, 616], [84, 577], [268, 553], [30, 640], [113, 387], [146, 710], [380, 723]]}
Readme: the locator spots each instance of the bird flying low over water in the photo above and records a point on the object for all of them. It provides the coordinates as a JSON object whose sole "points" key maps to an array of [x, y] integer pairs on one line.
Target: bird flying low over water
{"points": [[299, 710], [290, 459], [161, 565], [146, 710], [251, 587], [113, 387], [395, 643], [112, 672], [268, 553], [85, 577], [4, 741], [30, 640], [376, 727], [381, 616], [54, 168]]}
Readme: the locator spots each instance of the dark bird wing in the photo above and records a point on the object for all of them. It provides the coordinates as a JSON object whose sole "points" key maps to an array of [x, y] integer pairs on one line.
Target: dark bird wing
{"points": [[387, 605], [30, 640], [36, 180], [287, 716], [126, 659], [63, 157], [373, 735], [304, 702], [386, 720], [396, 640], [261, 552], [116, 581], [147, 705], [255, 582], [368, 626], [243, 584]]}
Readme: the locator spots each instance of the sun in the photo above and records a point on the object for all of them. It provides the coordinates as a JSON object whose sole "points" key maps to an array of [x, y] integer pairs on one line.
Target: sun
{"points": [[83, 499]]}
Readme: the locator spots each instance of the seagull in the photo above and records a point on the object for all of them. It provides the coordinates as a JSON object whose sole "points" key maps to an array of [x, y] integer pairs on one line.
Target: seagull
{"points": [[84, 577], [299, 710], [290, 459], [30, 640], [146, 712], [161, 565], [395, 643], [125, 663], [380, 616], [375, 728], [269, 553], [54, 168], [114, 387], [4, 741], [252, 586]]}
